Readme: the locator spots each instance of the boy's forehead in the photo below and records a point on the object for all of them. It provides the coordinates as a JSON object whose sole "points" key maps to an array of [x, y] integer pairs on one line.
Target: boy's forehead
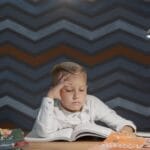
{"points": [[77, 76], [75, 85]]}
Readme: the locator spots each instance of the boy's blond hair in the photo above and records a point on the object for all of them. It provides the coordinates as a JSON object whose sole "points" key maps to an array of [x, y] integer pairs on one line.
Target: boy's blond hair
{"points": [[66, 68]]}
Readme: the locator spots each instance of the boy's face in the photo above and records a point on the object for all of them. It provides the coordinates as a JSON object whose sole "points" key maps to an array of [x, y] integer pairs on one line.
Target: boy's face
{"points": [[73, 95]]}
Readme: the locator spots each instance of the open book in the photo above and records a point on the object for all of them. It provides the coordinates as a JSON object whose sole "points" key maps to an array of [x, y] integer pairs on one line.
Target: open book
{"points": [[69, 134]]}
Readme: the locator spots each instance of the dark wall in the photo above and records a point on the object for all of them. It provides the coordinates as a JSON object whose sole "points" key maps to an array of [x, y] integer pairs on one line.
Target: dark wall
{"points": [[107, 37]]}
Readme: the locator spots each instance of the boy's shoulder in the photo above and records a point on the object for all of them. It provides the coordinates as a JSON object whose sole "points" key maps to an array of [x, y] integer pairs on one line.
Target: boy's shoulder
{"points": [[92, 99]]}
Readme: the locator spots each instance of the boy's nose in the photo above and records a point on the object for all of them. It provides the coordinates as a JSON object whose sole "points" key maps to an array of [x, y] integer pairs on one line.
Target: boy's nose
{"points": [[75, 95]]}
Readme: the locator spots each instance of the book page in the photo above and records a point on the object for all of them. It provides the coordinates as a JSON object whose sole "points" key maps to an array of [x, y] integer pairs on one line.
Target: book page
{"points": [[143, 134], [91, 129], [63, 134]]}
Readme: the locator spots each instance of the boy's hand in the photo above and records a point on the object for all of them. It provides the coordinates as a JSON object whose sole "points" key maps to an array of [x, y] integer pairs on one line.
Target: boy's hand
{"points": [[54, 92], [127, 130]]}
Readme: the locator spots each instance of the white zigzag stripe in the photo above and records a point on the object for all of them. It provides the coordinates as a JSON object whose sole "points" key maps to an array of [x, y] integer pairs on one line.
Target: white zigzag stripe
{"points": [[72, 27], [8, 101], [123, 103]]}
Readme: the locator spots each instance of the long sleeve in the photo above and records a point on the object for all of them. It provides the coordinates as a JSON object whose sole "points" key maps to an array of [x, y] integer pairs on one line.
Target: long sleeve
{"points": [[46, 121], [105, 114]]}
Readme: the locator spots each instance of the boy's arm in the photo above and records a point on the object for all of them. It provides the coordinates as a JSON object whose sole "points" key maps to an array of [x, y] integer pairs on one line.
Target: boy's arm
{"points": [[46, 121], [105, 114]]}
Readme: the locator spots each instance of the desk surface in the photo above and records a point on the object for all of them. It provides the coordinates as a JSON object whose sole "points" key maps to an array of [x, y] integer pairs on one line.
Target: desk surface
{"points": [[78, 145], [83, 145]]}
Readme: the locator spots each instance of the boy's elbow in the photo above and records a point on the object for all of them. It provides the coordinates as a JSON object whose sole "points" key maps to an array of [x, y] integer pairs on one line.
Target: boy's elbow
{"points": [[43, 131]]}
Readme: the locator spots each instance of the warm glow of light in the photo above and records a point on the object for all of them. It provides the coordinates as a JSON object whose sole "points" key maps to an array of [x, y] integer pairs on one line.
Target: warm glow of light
{"points": [[148, 34]]}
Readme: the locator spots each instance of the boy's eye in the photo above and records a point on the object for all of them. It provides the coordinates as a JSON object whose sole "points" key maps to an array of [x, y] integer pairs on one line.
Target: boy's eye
{"points": [[69, 90], [82, 90]]}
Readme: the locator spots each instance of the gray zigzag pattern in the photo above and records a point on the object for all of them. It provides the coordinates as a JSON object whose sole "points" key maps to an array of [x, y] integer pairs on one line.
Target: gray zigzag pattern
{"points": [[71, 27]]}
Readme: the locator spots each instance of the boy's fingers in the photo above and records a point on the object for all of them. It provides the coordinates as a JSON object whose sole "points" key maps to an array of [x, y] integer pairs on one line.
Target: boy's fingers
{"points": [[64, 83], [60, 76], [128, 133], [64, 78]]}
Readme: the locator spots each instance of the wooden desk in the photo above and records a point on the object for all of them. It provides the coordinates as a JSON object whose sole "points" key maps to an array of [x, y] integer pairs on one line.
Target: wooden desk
{"points": [[80, 145]]}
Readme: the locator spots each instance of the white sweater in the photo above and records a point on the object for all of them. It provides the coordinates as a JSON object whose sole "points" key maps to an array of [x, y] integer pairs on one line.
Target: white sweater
{"points": [[52, 116]]}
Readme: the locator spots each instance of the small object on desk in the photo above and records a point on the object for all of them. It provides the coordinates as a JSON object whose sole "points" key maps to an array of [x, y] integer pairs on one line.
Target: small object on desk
{"points": [[118, 141], [10, 139], [127, 141]]}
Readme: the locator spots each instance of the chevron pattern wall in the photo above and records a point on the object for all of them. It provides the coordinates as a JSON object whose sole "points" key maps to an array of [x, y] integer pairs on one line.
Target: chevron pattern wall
{"points": [[106, 36]]}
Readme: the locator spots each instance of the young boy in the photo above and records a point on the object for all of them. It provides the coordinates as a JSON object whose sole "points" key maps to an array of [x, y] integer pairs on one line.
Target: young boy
{"points": [[67, 104]]}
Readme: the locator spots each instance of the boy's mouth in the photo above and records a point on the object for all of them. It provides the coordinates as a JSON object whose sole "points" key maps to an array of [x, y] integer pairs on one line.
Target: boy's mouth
{"points": [[76, 103]]}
